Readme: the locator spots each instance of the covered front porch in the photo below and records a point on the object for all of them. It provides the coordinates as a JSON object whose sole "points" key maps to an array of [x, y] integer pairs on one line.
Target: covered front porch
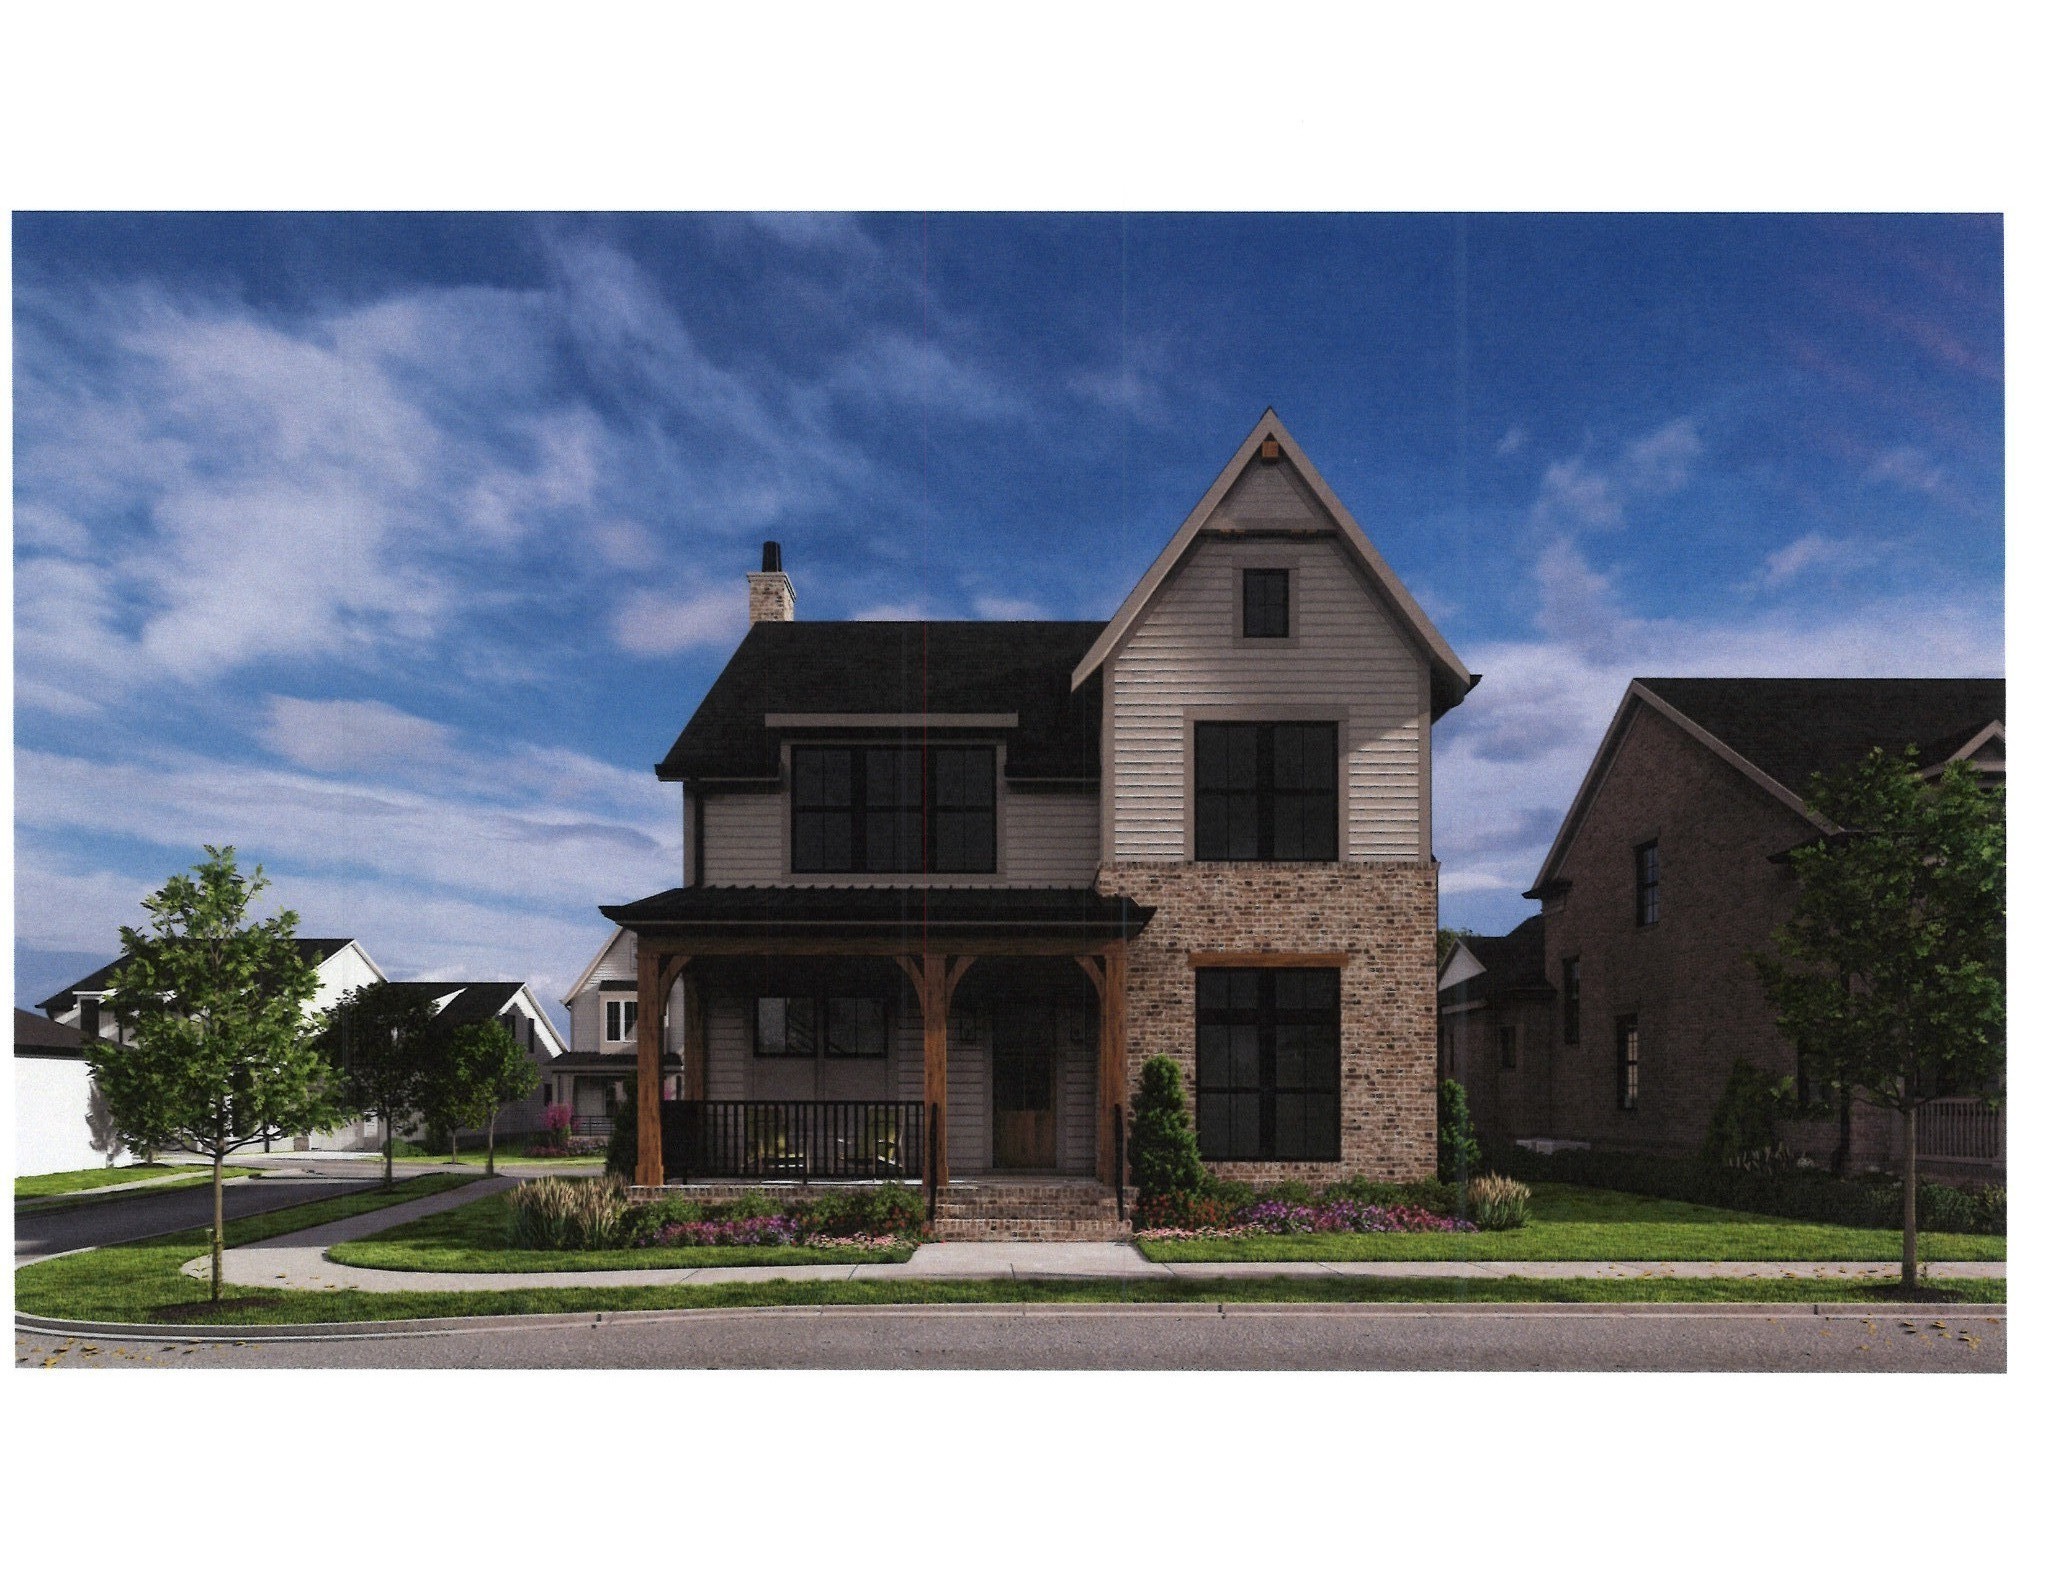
{"points": [[883, 1033]]}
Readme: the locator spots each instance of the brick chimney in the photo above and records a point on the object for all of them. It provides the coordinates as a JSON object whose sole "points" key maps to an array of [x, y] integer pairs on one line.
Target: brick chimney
{"points": [[770, 596]]}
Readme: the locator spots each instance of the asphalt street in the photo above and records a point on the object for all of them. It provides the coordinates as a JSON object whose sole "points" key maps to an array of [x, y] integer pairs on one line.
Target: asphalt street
{"points": [[1227, 1337], [122, 1217]]}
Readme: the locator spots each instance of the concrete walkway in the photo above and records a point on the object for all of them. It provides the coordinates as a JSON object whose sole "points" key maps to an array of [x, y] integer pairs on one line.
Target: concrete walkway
{"points": [[298, 1262]]}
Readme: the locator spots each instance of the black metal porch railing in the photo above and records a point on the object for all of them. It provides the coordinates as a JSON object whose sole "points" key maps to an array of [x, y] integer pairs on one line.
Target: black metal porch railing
{"points": [[590, 1126], [794, 1140]]}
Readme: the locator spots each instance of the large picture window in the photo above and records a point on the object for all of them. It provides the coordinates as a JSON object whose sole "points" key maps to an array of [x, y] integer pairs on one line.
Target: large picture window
{"points": [[1265, 792], [848, 1026], [892, 810], [1266, 1063]]}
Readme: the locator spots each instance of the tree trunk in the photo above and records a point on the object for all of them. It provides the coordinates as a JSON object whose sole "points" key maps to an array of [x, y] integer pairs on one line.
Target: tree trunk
{"points": [[491, 1147], [390, 1137], [1909, 1253], [1844, 1124], [219, 1224]]}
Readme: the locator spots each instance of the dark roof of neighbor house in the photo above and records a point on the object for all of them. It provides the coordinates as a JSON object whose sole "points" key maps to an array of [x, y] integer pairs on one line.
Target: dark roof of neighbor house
{"points": [[907, 907], [313, 950], [35, 1035], [1513, 961], [900, 668], [474, 1001], [1793, 728]]}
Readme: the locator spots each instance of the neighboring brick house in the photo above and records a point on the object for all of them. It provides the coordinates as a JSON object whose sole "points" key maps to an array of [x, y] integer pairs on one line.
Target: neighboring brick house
{"points": [[1668, 871], [948, 884], [1495, 1019]]}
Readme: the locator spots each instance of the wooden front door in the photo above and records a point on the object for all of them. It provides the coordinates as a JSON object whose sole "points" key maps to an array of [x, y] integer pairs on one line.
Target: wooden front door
{"points": [[1022, 1054]]}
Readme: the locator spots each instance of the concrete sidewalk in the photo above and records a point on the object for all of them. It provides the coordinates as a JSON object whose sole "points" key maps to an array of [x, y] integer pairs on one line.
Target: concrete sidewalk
{"points": [[298, 1262]]}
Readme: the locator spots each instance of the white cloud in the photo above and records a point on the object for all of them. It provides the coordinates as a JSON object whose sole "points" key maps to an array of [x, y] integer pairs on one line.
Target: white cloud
{"points": [[1512, 442], [654, 626], [996, 607], [1577, 495], [1659, 463], [899, 610], [1907, 466], [340, 734], [1574, 495], [1811, 552]]}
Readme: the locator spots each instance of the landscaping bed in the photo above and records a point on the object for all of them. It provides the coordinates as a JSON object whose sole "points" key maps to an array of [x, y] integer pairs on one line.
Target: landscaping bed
{"points": [[1568, 1222], [476, 1238]]}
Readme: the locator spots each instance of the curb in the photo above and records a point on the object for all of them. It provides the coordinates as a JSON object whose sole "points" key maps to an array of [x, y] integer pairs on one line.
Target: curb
{"points": [[374, 1329]]}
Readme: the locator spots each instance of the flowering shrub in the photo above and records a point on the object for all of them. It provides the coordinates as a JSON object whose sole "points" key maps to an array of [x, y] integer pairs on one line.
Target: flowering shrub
{"points": [[873, 1218], [1275, 1217], [554, 1131]]}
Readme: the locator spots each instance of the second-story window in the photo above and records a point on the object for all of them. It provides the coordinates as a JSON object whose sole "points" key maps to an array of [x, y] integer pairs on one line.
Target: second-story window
{"points": [[621, 1021], [892, 810], [1647, 883], [1265, 792], [1265, 602]]}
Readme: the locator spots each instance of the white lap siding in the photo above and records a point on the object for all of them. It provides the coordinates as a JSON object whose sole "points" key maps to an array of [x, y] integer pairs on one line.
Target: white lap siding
{"points": [[1344, 660]]}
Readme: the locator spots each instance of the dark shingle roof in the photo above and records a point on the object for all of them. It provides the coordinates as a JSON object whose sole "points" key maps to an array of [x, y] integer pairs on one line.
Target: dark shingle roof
{"points": [[1512, 961], [899, 667], [35, 1035], [908, 907], [473, 1002], [1793, 727], [314, 951]]}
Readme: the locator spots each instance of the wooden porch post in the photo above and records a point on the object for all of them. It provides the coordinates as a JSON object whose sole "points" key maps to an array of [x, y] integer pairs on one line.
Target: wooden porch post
{"points": [[935, 978], [648, 1171]]}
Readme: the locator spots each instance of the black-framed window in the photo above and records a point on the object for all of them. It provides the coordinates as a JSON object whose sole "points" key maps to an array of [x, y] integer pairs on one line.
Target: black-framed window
{"points": [[1265, 602], [1266, 1063], [856, 810], [1648, 900], [1265, 791], [88, 1017], [621, 1020], [851, 1027], [1568, 970], [1628, 1062], [1508, 1041]]}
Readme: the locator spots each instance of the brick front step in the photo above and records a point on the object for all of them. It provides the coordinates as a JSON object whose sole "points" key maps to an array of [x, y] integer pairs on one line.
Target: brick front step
{"points": [[1028, 1211]]}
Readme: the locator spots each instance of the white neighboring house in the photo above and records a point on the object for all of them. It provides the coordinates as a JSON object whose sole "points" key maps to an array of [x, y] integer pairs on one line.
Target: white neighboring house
{"points": [[590, 1077], [342, 965], [59, 1122], [518, 1009]]}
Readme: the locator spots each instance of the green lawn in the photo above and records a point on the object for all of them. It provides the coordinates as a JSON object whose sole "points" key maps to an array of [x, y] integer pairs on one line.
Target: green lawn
{"points": [[472, 1238], [1596, 1223], [141, 1281], [512, 1156], [55, 1184]]}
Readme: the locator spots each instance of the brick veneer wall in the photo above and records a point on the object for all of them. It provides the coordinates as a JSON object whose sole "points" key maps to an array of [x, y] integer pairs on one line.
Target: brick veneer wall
{"points": [[1382, 914], [1699, 1003]]}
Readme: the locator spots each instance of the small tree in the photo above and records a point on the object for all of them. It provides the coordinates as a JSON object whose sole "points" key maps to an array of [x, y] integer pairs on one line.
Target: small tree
{"points": [[1457, 1145], [1164, 1155], [377, 1038], [221, 1051], [478, 1070], [1890, 976]]}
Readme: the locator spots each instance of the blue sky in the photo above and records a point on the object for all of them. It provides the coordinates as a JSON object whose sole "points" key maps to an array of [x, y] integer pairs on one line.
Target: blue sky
{"points": [[395, 550]]}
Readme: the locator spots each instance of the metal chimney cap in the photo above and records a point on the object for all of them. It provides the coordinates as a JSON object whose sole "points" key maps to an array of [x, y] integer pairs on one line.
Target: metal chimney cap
{"points": [[771, 556]]}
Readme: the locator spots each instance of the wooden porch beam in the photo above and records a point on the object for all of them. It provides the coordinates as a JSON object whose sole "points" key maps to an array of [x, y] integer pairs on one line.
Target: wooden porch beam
{"points": [[889, 945], [654, 972], [1110, 973], [1269, 959]]}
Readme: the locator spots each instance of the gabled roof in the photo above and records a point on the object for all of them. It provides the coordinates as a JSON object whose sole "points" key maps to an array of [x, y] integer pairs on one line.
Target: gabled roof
{"points": [[1449, 679], [975, 673], [1780, 731], [1511, 961], [314, 952], [468, 1000], [35, 1035], [583, 978]]}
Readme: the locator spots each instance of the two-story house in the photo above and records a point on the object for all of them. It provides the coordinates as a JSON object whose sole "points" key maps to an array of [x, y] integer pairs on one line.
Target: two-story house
{"points": [[1668, 872], [948, 884]]}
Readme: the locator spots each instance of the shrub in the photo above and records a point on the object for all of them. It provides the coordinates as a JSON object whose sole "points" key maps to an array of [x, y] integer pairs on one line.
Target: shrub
{"points": [[1457, 1146], [1357, 1204], [862, 1217], [1164, 1158], [555, 1122], [561, 1215], [1439, 1198], [622, 1153], [1744, 1129], [1499, 1203]]}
